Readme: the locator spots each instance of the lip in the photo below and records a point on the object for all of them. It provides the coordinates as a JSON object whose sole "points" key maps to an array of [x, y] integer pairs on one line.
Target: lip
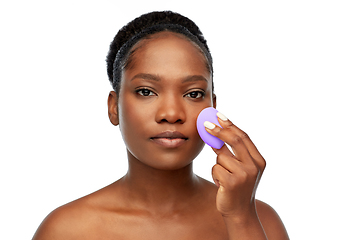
{"points": [[170, 139]]}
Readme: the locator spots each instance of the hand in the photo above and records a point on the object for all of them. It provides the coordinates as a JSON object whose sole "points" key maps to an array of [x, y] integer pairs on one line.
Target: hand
{"points": [[236, 174]]}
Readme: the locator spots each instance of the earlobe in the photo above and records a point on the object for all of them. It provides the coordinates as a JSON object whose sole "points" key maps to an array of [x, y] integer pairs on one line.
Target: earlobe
{"points": [[113, 108]]}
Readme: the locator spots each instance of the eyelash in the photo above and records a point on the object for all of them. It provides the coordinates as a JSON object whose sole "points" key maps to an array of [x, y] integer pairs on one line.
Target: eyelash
{"points": [[142, 90], [149, 93], [202, 94]]}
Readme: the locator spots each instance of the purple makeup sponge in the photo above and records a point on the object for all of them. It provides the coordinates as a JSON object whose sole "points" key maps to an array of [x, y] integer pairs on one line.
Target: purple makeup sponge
{"points": [[208, 114]]}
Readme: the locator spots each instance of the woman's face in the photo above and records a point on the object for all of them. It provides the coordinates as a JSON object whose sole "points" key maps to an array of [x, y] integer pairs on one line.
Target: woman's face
{"points": [[162, 92]]}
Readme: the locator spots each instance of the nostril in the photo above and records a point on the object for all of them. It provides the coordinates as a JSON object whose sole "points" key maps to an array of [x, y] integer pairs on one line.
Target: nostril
{"points": [[170, 114], [177, 121]]}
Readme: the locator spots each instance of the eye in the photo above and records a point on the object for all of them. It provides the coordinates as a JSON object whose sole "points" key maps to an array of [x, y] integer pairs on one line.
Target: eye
{"points": [[195, 94], [145, 92]]}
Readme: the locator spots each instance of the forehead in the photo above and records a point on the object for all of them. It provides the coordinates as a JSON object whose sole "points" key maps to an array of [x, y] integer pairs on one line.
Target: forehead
{"points": [[168, 53]]}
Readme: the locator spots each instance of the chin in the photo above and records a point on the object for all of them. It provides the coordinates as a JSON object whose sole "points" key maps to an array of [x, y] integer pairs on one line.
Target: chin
{"points": [[168, 159]]}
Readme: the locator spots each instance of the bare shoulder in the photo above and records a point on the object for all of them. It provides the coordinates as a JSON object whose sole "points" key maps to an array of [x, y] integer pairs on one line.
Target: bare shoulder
{"points": [[73, 220], [62, 222], [271, 222]]}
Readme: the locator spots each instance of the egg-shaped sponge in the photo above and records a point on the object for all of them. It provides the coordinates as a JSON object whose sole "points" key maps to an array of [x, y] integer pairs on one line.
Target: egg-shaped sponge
{"points": [[208, 114]]}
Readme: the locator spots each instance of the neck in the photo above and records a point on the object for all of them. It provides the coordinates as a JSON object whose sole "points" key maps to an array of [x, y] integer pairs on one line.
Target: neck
{"points": [[159, 190]]}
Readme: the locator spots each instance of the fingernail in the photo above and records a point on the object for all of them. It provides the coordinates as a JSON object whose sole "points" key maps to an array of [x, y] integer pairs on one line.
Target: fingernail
{"points": [[221, 116], [209, 125]]}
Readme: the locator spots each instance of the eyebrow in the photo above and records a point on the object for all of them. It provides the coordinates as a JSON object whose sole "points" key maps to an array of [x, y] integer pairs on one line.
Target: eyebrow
{"points": [[146, 76], [156, 78], [194, 78]]}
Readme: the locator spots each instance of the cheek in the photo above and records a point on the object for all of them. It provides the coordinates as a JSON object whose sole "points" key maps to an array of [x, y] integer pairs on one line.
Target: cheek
{"points": [[133, 119]]}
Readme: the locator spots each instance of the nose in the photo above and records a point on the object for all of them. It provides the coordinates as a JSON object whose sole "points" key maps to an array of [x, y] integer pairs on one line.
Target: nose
{"points": [[170, 110]]}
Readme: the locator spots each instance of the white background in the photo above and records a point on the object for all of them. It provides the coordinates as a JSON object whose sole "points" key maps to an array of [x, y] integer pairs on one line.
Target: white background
{"points": [[287, 72]]}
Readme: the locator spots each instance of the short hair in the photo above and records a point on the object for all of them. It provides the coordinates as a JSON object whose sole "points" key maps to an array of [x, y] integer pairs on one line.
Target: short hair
{"points": [[141, 28]]}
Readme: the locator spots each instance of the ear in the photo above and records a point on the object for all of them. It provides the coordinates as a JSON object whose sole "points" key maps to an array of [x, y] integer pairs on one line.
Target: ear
{"points": [[113, 108], [214, 100]]}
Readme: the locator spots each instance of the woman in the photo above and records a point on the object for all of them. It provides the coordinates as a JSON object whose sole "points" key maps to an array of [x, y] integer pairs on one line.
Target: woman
{"points": [[161, 70]]}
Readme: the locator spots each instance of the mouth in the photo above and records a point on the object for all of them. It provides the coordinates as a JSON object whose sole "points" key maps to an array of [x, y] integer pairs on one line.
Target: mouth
{"points": [[170, 139]]}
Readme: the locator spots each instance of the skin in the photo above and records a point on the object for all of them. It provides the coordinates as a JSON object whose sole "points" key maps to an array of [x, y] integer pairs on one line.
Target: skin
{"points": [[160, 197]]}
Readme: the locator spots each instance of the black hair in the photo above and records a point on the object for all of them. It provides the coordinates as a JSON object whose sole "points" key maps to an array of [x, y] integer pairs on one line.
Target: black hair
{"points": [[144, 26]]}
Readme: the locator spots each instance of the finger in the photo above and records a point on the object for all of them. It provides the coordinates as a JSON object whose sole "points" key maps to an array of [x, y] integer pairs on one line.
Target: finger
{"points": [[235, 141], [254, 152], [230, 163], [220, 175], [223, 150], [226, 123], [227, 159]]}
